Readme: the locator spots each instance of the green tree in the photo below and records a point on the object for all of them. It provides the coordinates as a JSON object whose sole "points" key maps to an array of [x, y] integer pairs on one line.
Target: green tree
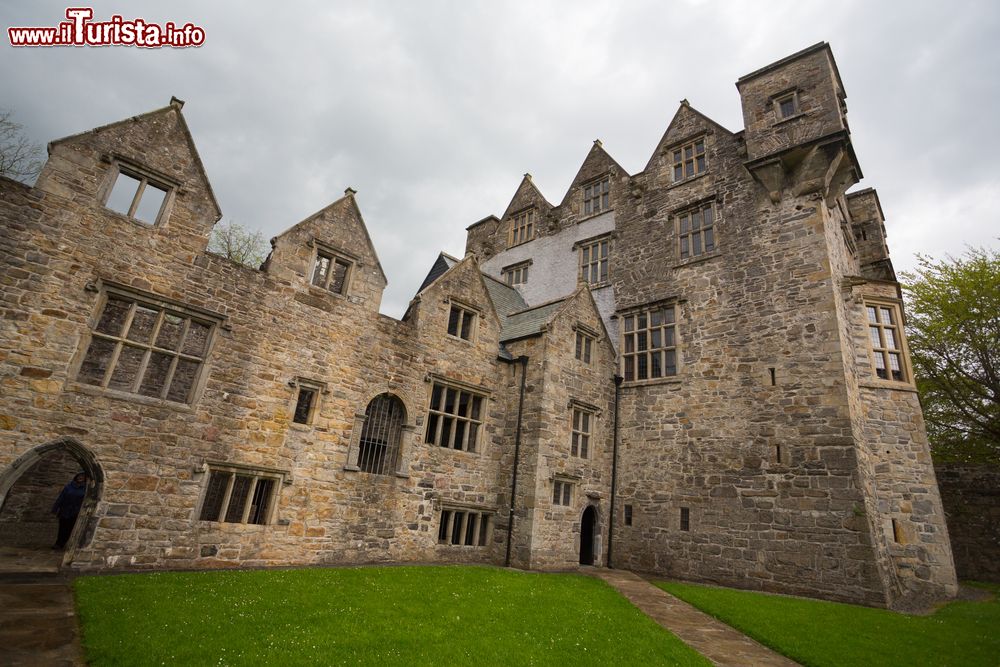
{"points": [[20, 158], [954, 333], [234, 241]]}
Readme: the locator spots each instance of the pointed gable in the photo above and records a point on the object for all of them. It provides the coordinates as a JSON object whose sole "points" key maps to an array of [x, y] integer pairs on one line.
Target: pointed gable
{"points": [[525, 213], [338, 233], [597, 163], [158, 143], [687, 123]]}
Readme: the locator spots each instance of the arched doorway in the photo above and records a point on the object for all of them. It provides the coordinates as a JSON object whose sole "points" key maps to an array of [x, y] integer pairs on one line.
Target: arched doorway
{"points": [[588, 524], [28, 489]]}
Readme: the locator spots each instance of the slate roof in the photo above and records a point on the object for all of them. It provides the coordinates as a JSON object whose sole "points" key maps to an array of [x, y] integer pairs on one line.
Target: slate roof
{"points": [[528, 322]]}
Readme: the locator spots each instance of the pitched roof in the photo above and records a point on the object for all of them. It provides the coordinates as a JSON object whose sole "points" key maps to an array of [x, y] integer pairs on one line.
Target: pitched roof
{"points": [[506, 299], [529, 322], [175, 105], [443, 262]]}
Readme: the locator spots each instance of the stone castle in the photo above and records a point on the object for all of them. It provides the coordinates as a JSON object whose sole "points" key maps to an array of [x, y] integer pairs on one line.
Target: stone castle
{"points": [[697, 370]]}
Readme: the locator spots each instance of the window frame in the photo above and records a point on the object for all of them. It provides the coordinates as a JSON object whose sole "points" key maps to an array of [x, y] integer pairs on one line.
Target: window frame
{"points": [[625, 354], [463, 309], [516, 274], [688, 213], [786, 96], [449, 515], [680, 149], [580, 439], [563, 491], [602, 195], [317, 388], [437, 417], [523, 226], [145, 177], [324, 251], [584, 345], [588, 266], [139, 298], [278, 478], [884, 351]]}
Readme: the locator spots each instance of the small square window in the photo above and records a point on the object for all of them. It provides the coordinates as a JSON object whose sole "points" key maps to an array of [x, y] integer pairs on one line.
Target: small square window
{"points": [[561, 493], [461, 322], [137, 197], [331, 272], [787, 105]]}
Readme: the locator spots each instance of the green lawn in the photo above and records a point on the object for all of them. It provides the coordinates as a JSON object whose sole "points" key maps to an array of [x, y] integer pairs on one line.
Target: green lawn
{"points": [[819, 633], [371, 615]]}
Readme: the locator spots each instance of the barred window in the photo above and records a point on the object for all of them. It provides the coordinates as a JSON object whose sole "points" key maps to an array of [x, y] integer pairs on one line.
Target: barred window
{"points": [[516, 275], [580, 443], [137, 197], [595, 196], [689, 160], [885, 337], [235, 496], [454, 419], [464, 528], [146, 348], [584, 343], [649, 349], [461, 322], [522, 228], [594, 261], [696, 231], [561, 493], [378, 447], [331, 272]]}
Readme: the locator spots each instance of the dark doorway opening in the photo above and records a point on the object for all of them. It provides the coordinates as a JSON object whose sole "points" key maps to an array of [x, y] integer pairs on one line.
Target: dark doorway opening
{"points": [[587, 525], [28, 490]]}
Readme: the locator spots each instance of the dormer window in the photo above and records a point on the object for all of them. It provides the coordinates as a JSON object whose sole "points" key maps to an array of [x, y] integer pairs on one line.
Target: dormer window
{"points": [[689, 160], [786, 105], [522, 228], [331, 272], [137, 196], [595, 196], [516, 274]]}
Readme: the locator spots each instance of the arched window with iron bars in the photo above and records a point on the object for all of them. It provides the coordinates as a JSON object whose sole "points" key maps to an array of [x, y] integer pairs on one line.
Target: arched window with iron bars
{"points": [[378, 448]]}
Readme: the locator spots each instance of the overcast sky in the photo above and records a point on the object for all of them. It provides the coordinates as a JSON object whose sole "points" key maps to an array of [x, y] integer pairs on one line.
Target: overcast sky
{"points": [[433, 111]]}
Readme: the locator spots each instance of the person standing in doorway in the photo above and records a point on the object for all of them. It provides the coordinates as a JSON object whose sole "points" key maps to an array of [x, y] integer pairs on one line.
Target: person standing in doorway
{"points": [[67, 507]]}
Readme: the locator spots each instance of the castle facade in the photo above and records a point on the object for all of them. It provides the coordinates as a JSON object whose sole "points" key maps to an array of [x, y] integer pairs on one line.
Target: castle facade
{"points": [[698, 370]]}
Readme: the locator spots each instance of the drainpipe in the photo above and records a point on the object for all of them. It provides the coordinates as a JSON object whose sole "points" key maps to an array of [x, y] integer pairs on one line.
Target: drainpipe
{"points": [[614, 469], [523, 360]]}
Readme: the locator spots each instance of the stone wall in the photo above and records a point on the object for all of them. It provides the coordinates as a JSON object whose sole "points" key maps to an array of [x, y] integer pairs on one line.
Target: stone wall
{"points": [[971, 496]]}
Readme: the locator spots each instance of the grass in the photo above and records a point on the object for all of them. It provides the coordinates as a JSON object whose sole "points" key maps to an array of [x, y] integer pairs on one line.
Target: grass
{"points": [[371, 615], [819, 633]]}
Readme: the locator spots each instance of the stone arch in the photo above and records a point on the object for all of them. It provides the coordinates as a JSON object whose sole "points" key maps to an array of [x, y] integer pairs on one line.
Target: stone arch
{"points": [[382, 436], [67, 448]]}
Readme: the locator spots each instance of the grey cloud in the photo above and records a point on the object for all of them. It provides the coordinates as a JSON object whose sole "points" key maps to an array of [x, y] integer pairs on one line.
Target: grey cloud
{"points": [[434, 110]]}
